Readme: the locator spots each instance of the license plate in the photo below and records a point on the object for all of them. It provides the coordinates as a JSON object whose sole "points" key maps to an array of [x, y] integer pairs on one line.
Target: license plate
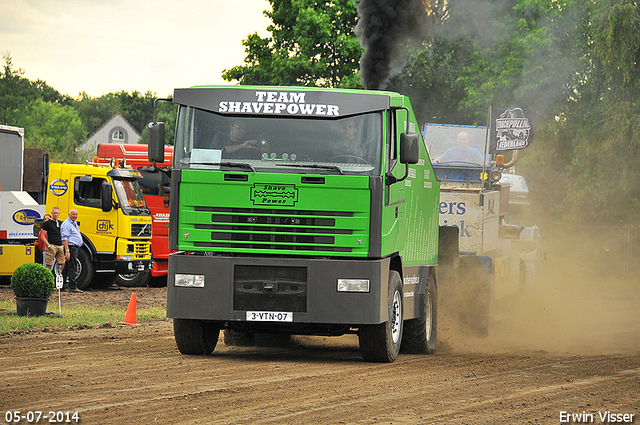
{"points": [[269, 316]]}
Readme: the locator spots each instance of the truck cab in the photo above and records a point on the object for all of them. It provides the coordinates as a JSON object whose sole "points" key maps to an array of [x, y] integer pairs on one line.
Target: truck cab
{"points": [[113, 218], [155, 185], [298, 210]]}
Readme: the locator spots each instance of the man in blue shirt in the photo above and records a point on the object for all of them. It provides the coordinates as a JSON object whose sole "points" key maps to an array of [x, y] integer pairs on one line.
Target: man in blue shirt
{"points": [[463, 153], [72, 241]]}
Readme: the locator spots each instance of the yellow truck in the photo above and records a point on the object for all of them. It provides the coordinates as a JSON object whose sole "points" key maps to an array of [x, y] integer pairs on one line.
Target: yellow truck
{"points": [[113, 218]]}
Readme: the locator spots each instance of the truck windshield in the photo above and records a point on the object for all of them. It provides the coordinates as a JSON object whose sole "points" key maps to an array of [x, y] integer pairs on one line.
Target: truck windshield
{"points": [[130, 197], [456, 145], [349, 145]]}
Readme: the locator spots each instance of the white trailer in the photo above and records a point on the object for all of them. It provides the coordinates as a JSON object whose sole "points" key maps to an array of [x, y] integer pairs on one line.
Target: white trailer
{"points": [[18, 210], [18, 213]]}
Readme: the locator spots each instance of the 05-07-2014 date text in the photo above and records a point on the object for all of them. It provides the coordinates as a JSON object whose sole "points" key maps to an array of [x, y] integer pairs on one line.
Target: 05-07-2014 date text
{"points": [[35, 416]]}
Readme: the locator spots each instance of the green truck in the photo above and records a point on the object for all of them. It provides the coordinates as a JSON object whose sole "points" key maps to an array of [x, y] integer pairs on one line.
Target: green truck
{"points": [[300, 211]]}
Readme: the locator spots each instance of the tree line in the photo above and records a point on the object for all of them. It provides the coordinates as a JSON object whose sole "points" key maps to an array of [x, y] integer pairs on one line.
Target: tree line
{"points": [[59, 123], [575, 62]]}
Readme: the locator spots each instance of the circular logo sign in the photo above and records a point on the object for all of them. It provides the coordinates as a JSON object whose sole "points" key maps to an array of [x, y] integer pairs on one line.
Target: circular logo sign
{"points": [[58, 187], [25, 217]]}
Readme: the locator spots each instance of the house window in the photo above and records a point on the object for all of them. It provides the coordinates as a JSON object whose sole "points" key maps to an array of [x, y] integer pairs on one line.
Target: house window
{"points": [[117, 136]]}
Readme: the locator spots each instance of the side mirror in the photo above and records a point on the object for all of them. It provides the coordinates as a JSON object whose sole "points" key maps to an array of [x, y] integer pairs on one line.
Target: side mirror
{"points": [[409, 148], [107, 197], [156, 142]]}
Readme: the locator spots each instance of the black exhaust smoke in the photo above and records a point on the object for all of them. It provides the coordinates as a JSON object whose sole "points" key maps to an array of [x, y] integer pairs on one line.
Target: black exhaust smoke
{"points": [[384, 27]]}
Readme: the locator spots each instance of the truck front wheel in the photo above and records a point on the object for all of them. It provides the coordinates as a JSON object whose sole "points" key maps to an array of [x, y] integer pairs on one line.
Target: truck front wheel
{"points": [[420, 335], [85, 269], [133, 280], [381, 343], [195, 336]]}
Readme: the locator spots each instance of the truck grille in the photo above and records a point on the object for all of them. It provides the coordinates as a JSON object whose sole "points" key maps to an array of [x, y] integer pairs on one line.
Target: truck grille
{"points": [[141, 250], [263, 288], [141, 230], [283, 230]]}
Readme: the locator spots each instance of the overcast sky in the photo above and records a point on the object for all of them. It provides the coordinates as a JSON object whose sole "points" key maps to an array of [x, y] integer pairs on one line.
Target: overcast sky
{"points": [[102, 46]]}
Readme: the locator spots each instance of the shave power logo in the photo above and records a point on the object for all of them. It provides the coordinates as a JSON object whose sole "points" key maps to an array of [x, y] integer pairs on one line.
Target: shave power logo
{"points": [[274, 194], [285, 103]]}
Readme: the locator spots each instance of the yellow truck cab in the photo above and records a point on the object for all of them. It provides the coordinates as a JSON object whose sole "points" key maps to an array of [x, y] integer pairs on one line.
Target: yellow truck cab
{"points": [[112, 215]]}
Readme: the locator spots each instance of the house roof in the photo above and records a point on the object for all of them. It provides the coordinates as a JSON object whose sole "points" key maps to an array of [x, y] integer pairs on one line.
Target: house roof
{"points": [[106, 123]]}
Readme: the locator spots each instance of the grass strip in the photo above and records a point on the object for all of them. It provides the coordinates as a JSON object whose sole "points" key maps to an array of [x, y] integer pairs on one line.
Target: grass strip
{"points": [[75, 315]]}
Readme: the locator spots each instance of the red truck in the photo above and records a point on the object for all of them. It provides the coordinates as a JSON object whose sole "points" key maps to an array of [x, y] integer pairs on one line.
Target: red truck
{"points": [[155, 186]]}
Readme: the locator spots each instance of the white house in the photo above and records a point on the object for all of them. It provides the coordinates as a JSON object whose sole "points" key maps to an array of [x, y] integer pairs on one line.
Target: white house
{"points": [[116, 130]]}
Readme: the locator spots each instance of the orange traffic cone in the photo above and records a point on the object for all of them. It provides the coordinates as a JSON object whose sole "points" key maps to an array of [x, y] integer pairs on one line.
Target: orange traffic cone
{"points": [[130, 317]]}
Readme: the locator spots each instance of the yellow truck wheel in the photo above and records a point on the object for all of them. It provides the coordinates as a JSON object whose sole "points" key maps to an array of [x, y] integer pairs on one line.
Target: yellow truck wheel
{"points": [[133, 280]]}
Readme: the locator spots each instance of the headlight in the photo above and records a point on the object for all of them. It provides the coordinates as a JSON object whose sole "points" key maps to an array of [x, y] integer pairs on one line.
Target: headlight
{"points": [[353, 285], [125, 257], [189, 280]]}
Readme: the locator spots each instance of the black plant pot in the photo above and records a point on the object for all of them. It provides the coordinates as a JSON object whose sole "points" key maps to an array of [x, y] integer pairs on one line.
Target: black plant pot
{"points": [[31, 306]]}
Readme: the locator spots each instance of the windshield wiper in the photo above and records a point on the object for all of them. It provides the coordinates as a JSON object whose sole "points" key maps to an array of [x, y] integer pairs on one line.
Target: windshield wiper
{"points": [[321, 167], [457, 163], [228, 164], [139, 210]]}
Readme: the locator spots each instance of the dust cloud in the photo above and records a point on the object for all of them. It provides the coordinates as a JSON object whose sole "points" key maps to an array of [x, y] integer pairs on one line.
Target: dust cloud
{"points": [[585, 297], [584, 300]]}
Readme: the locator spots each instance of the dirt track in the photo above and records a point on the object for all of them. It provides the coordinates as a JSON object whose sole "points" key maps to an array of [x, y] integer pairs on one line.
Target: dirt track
{"points": [[569, 347], [135, 375]]}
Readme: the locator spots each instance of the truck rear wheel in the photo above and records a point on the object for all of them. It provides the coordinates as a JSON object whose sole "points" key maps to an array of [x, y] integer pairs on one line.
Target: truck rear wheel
{"points": [[85, 268], [420, 335], [133, 280], [381, 343], [195, 336]]}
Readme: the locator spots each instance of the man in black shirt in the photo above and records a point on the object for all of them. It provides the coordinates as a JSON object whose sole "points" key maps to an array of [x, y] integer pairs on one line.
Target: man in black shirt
{"points": [[53, 239]]}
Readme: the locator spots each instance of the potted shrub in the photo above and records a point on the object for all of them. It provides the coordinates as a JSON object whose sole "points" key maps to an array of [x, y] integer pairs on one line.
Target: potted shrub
{"points": [[32, 285]]}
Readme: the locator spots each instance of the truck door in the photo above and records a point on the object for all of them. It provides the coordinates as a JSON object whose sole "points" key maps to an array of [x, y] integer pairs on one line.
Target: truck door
{"points": [[93, 221], [393, 214]]}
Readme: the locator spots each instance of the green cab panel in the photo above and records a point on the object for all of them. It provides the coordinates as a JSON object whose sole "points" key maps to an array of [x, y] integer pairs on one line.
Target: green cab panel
{"points": [[278, 214]]}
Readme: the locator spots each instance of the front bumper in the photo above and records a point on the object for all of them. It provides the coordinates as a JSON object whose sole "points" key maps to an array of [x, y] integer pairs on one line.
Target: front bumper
{"points": [[305, 287], [132, 266]]}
